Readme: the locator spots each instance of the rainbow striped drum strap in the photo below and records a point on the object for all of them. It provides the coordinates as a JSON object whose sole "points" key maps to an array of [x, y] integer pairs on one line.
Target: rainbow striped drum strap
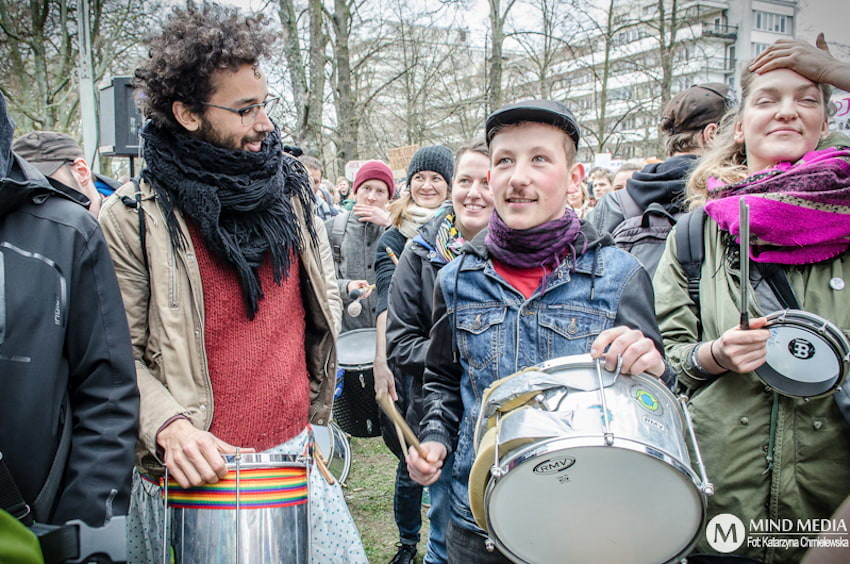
{"points": [[259, 488]]}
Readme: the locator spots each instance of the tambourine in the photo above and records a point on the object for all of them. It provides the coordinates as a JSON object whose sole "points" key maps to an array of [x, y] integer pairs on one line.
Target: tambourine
{"points": [[807, 355]]}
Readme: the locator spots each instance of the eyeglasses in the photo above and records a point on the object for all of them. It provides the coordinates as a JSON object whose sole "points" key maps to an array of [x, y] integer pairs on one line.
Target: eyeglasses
{"points": [[249, 114]]}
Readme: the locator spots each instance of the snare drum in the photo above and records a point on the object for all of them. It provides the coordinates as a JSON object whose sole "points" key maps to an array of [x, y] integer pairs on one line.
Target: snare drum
{"points": [[334, 448], [356, 410], [258, 513], [807, 356], [568, 472]]}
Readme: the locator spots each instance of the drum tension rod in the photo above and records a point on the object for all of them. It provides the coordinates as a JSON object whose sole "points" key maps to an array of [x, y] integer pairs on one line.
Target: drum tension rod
{"points": [[496, 470], [609, 436], [238, 458]]}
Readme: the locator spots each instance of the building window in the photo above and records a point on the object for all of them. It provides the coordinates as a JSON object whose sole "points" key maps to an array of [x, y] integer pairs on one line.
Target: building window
{"points": [[768, 21], [758, 48]]}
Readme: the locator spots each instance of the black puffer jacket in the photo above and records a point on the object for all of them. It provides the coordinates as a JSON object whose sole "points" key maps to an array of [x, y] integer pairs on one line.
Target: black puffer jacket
{"points": [[409, 316], [63, 332]]}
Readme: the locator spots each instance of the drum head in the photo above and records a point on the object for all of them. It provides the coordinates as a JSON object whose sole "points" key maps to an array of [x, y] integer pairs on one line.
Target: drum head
{"points": [[356, 348], [574, 500], [802, 360]]}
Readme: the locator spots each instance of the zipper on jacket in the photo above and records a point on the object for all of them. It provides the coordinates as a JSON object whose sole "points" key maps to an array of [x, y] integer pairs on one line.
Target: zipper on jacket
{"points": [[61, 309]]}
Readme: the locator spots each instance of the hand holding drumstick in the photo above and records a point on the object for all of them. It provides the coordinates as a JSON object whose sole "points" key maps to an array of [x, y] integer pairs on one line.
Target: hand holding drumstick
{"points": [[390, 409]]}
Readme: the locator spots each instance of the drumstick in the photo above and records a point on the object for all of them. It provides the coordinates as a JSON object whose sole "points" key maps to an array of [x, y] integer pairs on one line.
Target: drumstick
{"points": [[320, 462], [744, 252], [400, 437], [392, 255], [390, 409]]}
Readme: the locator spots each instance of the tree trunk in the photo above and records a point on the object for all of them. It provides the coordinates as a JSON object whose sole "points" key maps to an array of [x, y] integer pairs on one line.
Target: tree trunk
{"points": [[346, 115]]}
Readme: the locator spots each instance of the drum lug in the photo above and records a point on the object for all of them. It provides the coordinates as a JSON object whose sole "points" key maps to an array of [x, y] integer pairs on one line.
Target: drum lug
{"points": [[707, 489], [489, 545], [497, 471]]}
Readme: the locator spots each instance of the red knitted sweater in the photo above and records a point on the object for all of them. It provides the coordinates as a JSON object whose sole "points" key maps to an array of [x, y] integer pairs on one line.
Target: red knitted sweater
{"points": [[258, 369]]}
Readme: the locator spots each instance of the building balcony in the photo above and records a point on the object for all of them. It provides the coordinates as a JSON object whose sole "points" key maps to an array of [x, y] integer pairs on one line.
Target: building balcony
{"points": [[720, 31]]}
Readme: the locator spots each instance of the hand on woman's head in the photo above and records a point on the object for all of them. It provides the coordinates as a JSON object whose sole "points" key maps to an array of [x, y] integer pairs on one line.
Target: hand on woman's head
{"points": [[812, 61]]}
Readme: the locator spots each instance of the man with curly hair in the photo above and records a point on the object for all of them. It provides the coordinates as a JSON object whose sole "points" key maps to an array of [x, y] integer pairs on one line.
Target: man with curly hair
{"points": [[223, 272]]}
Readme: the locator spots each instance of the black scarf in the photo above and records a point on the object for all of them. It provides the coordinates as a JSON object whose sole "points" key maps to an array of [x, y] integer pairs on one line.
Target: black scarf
{"points": [[241, 201]]}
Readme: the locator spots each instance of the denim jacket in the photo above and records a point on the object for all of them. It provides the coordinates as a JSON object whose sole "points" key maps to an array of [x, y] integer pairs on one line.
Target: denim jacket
{"points": [[484, 329]]}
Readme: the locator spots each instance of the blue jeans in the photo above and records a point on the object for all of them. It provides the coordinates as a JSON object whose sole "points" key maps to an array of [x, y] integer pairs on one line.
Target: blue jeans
{"points": [[439, 515], [407, 505]]}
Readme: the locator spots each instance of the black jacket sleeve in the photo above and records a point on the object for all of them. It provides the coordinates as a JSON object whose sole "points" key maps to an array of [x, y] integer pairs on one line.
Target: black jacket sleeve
{"points": [[443, 372], [102, 388], [409, 326], [384, 265], [637, 311]]}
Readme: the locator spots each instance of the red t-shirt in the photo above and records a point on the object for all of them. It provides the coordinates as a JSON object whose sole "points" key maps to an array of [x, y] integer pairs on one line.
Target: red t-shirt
{"points": [[526, 280]]}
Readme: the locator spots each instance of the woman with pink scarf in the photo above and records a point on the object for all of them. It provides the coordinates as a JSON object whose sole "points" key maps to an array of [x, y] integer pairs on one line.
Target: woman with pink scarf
{"points": [[771, 457]]}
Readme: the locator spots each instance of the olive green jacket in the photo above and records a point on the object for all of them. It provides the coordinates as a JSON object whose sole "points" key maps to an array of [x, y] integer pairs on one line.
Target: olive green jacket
{"points": [[810, 473], [165, 311]]}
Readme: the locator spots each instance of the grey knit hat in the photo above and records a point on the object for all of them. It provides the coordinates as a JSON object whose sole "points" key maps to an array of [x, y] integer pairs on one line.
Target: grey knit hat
{"points": [[436, 158]]}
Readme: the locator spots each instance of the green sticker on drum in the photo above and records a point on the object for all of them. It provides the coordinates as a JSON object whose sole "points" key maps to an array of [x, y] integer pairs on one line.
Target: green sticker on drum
{"points": [[647, 400]]}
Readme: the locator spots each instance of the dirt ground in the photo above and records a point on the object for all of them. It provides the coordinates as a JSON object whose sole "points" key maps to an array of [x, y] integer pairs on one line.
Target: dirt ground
{"points": [[370, 498]]}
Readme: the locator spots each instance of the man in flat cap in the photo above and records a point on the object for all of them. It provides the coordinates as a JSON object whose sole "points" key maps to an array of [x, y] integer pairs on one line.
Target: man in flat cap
{"points": [[58, 156]]}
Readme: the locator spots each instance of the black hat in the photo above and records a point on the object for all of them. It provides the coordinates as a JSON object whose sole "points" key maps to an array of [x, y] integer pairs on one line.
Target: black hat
{"points": [[541, 111], [695, 107], [436, 158]]}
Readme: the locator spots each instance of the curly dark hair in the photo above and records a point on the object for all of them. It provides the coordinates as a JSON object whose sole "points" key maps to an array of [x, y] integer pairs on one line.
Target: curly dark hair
{"points": [[195, 42]]}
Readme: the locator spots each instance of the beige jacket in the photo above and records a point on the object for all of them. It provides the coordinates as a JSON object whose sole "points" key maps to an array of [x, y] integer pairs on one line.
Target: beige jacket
{"points": [[166, 316]]}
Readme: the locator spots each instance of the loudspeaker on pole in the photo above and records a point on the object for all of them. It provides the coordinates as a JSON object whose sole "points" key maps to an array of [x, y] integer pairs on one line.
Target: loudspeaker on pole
{"points": [[120, 119]]}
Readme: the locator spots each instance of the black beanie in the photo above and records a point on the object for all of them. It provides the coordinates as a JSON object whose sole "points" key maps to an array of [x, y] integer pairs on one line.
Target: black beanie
{"points": [[436, 158]]}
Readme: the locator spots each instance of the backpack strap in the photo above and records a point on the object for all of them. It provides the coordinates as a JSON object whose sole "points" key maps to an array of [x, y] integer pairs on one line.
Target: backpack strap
{"points": [[629, 205], [690, 250], [656, 209], [10, 496], [340, 222], [136, 202]]}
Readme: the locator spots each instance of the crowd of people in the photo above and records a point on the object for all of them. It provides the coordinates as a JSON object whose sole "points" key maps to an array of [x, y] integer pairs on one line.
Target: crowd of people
{"points": [[152, 333]]}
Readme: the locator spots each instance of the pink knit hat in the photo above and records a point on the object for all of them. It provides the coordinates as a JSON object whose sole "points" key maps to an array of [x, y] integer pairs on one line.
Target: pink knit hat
{"points": [[374, 170]]}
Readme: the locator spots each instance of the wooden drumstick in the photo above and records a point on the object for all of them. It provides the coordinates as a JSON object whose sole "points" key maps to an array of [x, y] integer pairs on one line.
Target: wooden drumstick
{"points": [[323, 468], [390, 409]]}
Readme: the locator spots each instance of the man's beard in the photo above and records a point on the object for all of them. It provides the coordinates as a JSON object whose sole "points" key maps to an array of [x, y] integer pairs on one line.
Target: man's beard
{"points": [[209, 134]]}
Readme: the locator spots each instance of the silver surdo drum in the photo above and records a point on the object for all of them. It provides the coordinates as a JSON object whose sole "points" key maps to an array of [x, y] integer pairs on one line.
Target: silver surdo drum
{"points": [[577, 464], [258, 513]]}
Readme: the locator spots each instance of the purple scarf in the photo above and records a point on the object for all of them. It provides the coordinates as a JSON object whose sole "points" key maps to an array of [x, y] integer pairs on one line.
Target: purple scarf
{"points": [[799, 212], [544, 245]]}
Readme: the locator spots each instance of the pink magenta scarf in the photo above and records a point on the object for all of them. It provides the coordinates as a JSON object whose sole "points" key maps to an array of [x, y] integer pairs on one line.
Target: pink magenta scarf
{"points": [[799, 212]]}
